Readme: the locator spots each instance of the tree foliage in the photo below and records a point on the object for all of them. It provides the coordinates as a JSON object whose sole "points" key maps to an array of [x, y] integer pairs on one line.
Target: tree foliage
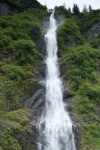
{"points": [[85, 10], [76, 9], [90, 8]]}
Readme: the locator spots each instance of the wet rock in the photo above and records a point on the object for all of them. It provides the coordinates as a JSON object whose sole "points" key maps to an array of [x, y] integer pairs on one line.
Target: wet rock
{"points": [[45, 25], [77, 135], [93, 32], [36, 100], [68, 100], [67, 93], [30, 141]]}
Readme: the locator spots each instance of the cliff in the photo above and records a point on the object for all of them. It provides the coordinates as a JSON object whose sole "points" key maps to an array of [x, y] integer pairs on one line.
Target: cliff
{"points": [[22, 53], [79, 50], [21, 62], [15, 6]]}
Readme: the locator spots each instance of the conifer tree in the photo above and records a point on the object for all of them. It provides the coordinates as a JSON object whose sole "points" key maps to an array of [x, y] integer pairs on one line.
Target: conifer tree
{"points": [[90, 8], [85, 10], [76, 9], [69, 9]]}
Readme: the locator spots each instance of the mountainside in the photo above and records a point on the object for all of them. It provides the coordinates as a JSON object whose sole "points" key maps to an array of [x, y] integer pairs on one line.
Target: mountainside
{"points": [[22, 52], [21, 56], [12, 6], [79, 49]]}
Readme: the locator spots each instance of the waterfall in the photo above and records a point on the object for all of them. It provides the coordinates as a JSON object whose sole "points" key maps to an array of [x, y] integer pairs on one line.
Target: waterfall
{"points": [[55, 126]]}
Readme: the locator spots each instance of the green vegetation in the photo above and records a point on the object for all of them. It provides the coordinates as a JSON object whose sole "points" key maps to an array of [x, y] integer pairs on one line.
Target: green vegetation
{"points": [[68, 35], [80, 63], [89, 20], [21, 47], [21, 36], [19, 53], [61, 13], [24, 5], [16, 124], [80, 68], [76, 9]]}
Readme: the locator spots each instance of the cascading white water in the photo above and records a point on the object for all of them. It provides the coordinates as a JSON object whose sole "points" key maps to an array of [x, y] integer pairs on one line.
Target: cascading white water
{"points": [[55, 126]]}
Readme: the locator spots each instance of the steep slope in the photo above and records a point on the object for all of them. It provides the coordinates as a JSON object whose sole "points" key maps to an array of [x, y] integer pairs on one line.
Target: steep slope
{"points": [[22, 51], [12, 6], [77, 38], [90, 27], [21, 36]]}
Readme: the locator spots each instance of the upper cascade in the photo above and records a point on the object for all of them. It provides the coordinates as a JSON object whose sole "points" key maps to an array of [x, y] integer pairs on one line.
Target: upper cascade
{"points": [[56, 133]]}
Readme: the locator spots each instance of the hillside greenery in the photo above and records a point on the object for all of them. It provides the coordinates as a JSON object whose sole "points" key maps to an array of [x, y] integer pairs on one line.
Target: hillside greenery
{"points": [[20, 37], [21, 47], [80, 65], [23, 5]]}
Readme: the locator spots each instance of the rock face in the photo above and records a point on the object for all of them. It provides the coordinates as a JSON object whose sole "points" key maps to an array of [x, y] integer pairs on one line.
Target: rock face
{"points": [[68, 99], [7, 7], [4, 8], [93, 32], [35, 100]]}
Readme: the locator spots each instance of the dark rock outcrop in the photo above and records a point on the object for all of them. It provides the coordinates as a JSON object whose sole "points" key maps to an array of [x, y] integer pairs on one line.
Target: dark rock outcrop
{"points": [[36, 100], [4, 8], [8, 7], [93, 32]]}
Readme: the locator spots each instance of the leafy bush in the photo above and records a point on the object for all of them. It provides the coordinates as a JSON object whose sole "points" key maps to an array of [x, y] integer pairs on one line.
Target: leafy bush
{"points": [[96, 43], [9, 142], [92, 92], [25, 52], [82, 61], [69, 34], [14, 72], [19, 116], [80, 68], [9, 31], [61, 13], [93, 131], [17, 123], [89, 20]]}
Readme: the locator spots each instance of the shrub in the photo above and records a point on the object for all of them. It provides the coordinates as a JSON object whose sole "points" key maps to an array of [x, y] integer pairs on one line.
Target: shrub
{"points": [[83, 61], [68, 34], [9, 142], [25, 51]]}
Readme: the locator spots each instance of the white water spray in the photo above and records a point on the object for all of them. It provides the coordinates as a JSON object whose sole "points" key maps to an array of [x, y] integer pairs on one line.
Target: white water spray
{"points": [[55, 126]]}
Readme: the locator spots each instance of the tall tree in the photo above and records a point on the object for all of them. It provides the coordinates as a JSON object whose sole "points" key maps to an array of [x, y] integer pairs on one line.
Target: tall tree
{"points": [[76, 9], [90, 8], [69, 9], [85, 10]]}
